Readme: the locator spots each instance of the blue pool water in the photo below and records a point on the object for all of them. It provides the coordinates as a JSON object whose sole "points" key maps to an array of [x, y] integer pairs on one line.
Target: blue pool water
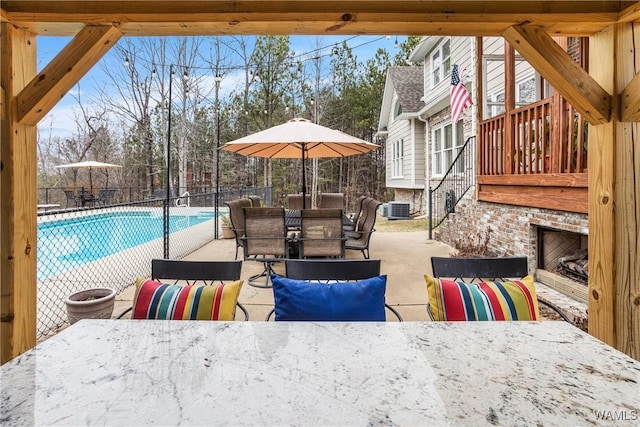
{"points": [[68, 243]]}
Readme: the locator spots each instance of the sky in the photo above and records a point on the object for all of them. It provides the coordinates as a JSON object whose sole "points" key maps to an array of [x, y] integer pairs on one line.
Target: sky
{"points": [[60, 121]]}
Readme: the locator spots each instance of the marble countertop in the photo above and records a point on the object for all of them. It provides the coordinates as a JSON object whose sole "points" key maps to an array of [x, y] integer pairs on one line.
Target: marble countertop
{"points": [[128, 372]]}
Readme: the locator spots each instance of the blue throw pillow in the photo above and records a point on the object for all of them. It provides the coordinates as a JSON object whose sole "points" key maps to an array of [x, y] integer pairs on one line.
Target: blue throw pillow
{"points": [[361, 300]]}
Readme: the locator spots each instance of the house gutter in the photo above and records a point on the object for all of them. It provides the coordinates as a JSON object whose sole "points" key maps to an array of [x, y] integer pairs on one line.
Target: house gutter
{"points": [[413, 151], [427, 156]]}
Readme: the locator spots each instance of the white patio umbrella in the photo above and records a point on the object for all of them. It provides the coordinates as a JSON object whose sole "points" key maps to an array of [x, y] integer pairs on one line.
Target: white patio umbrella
{"points": [[90, 164], [299, 138]]}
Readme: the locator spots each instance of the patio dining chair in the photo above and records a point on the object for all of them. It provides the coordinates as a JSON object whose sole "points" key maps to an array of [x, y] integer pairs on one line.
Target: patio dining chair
{"points": [[236, 215], [497, 288], [191, 289], [333, 270], [321, 233], [72, 198], [294, 201], [255, 201], [360, 237], [104, 196], [331, 201], [264, 240], [353, 220]]}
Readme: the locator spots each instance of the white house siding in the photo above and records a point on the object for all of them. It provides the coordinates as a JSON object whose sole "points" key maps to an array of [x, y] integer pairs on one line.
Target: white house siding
{"points": [[462, 53], [437, 100], [412, 190], [413, 154], [494, 77]]}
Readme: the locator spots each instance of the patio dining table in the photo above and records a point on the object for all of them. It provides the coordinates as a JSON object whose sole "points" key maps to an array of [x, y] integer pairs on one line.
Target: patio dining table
{"points": [[85, 197], [293, 219], [157, 372]]}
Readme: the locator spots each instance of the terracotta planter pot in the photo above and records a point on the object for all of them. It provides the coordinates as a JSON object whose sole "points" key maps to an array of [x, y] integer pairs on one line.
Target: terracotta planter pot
{"points": [[90, 304], [227, 232]]}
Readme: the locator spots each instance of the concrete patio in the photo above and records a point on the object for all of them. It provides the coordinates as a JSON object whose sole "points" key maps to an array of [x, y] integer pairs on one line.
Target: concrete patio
{"points": [[405, 260]]}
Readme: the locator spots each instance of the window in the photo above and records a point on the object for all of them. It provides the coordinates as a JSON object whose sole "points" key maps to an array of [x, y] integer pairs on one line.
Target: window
{"points": [[396, 159], [447, 141], [526, 92], [441, 63], [497, 104], [398, 110]]}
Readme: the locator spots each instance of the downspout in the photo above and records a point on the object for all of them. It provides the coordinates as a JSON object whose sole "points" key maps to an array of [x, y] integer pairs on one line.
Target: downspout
{"points": [[413, 162], [427, 156], [413, 151]]}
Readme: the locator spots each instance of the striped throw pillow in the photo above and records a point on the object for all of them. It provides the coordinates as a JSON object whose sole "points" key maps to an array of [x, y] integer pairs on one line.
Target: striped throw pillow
{"points": [[156, 300], [508, 300]]}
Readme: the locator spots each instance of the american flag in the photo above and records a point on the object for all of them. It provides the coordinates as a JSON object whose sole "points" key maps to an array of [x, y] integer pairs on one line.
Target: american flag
{"points": [[460, 98]]}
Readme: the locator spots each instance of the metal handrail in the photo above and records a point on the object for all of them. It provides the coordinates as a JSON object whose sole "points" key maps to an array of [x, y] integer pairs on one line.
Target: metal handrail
{"points": [[452, 186]]}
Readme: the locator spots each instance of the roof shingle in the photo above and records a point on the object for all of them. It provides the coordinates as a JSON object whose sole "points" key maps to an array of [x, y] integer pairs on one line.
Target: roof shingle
{"points": [[408, 83]]}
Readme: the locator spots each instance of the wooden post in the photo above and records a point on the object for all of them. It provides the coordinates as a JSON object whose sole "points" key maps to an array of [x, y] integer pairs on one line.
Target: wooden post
{"points": [[558, 122], [614, 232], [19, 198], [509, 105], [479, 108]]}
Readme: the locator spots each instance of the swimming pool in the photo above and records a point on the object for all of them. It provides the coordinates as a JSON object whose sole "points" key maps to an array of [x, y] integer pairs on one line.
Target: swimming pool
{"points": [[68, 243]]}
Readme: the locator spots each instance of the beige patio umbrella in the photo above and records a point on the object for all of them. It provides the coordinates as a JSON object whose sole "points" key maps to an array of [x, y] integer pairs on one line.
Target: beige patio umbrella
{"points": [[299, 138], [90, 164]]}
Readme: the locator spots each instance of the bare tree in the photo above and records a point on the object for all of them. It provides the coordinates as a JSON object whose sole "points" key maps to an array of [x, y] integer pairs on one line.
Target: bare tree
{"points": [[129, 95]]}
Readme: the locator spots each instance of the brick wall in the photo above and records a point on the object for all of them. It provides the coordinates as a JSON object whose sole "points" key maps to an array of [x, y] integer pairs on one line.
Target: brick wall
{"points": [[512, 228]]}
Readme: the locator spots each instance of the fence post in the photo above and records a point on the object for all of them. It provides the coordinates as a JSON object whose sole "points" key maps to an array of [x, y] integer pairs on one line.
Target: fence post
{"points": [[165, 223], [216, 211], [430, 214]]}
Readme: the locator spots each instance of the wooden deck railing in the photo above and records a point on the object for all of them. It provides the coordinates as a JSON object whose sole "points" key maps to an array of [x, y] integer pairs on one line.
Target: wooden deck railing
{"points": [[549, 136], [536, 156]]}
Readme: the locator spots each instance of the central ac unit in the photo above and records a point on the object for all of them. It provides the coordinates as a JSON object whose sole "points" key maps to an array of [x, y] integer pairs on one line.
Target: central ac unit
{"points": [[399, 210]]}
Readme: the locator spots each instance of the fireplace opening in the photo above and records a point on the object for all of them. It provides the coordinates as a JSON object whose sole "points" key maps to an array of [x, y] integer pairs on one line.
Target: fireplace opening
{"points": [[564, 253]]}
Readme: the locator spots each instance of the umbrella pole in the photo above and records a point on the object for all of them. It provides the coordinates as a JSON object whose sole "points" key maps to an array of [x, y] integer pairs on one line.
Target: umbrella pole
{"points": [[304, 181], [90, 181]]}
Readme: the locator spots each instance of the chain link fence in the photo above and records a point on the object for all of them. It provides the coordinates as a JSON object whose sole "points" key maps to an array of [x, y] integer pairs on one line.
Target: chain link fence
{"points": [[110, 246]]}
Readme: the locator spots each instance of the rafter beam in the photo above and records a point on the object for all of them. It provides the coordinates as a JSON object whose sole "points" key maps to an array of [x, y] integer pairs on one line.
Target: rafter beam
{"points": [[199, 17], [630, 14], [557, 67], [64, 71], [630, 101]]}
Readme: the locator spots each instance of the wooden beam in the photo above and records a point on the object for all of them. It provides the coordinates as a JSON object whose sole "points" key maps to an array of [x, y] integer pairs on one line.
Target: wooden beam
{"points": [[568, 199], [335, 26], [18, 194], [192, 17], [614, 208], [513, 9], [509, 105], [479, 85], [602, 139], [66, 69], [630, 14], [538, 180], [626, 285], [556, 66], [630, 101]]}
